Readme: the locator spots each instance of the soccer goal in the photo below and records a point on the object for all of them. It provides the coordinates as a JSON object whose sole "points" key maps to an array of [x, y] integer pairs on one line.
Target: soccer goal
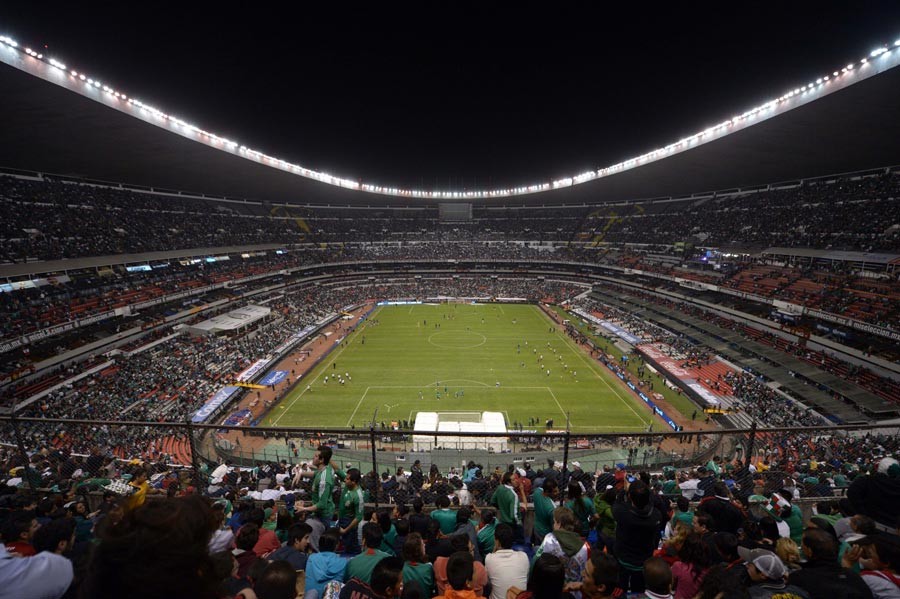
{"points": [[428, 423]]}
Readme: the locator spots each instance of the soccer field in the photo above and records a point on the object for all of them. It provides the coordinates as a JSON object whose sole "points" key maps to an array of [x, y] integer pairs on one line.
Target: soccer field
{"points": [[460, 358]]}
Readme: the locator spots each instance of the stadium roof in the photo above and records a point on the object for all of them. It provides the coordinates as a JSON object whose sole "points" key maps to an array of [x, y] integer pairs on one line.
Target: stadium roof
{"points": [[49, 128]]}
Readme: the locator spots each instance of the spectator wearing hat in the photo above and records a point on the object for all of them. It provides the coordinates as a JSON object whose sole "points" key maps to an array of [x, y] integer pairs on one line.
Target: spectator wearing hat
{"points": [[524, 482], [767, 575], [822, 575]]}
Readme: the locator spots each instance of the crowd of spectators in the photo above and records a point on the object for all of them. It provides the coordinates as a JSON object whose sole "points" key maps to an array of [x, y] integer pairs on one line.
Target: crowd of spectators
{"points": [[802, 216], [881, 385], [49, 219], [748, 393], [287, 530], [764, 405]]}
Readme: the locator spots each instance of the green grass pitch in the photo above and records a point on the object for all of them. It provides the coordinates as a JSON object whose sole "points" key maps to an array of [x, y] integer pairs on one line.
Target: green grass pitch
{"points": [[460, 358]]}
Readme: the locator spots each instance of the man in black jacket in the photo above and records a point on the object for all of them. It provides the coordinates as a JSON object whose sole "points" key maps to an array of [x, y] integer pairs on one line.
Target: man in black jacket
{"points": [[822, 575], [726, 517], [637, 533], [877, 495]]}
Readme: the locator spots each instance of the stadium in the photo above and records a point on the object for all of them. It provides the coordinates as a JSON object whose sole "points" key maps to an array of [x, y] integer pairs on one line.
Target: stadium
{"points": [[203, 324]]}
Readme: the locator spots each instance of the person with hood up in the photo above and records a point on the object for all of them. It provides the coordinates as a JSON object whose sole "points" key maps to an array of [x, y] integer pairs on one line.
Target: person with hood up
{"points": [[637, 533], [566, 544]]}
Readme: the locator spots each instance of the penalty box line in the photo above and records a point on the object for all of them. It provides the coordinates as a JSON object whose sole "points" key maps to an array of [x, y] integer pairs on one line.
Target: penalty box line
{"points": [[366, 392]]}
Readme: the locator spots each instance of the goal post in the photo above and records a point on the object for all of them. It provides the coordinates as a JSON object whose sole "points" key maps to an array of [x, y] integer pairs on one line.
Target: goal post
{"points": [[427, 424]]}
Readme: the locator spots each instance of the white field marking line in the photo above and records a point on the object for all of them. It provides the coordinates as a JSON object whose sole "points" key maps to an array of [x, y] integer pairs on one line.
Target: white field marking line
{"points": [[590, 366], [639, 429], [501, 309], [324, 369], [483, 341], [608, 386], [359, 403], [553, 395], [442, 382]]}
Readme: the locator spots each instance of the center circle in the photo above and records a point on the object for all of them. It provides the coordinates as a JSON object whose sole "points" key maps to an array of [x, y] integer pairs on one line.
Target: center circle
{"points": [[457, 339]]}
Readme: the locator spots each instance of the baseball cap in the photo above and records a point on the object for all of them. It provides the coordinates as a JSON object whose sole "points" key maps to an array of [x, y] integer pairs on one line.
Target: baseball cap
{"points": [[889, 466], [576, 464], [765, 561], [620, 466]]}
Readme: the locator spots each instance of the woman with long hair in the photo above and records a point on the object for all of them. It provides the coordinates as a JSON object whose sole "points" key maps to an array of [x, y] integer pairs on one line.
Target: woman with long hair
{"points": [[582, 507], [694, 560]]}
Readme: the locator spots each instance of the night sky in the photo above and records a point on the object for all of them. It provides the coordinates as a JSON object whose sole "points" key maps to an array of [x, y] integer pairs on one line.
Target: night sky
{"points": [[456, 95]]}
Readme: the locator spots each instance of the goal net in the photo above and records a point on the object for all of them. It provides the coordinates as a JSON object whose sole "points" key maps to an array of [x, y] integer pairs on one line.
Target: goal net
{"points": [[447, 423]]}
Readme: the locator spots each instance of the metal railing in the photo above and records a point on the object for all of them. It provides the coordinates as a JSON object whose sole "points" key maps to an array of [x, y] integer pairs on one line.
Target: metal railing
{"points": [[378, 450]]}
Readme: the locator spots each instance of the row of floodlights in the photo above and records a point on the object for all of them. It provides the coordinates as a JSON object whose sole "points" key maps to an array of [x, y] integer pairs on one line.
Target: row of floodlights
{"points": [[681, 144]]}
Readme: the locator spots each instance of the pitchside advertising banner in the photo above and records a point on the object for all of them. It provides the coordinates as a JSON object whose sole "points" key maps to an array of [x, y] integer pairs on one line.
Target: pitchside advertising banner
{"points": [[615, 330], [656, 409], [274, 377], [251, 372], [215, 402]]}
